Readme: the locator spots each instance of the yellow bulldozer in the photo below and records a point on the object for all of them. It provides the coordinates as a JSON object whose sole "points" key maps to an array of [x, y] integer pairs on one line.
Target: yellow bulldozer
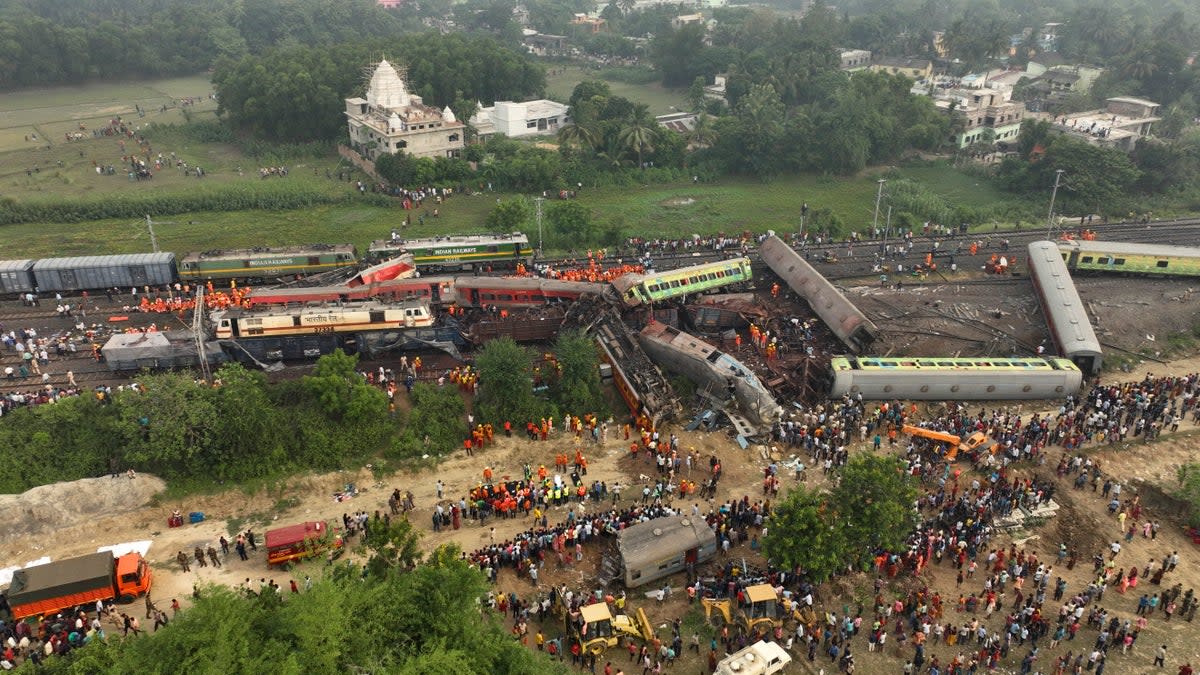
{"points": [[759, 609], [601, 630]]}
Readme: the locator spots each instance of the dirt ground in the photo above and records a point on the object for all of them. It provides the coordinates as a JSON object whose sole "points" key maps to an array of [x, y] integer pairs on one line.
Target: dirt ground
{"points": [[987, 316], [1083, 522], [102, 519]]}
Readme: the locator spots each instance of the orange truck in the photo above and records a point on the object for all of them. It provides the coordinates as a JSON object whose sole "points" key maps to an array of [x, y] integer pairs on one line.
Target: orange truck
{"points": [[974, 445], [303, 540], [64, 584]]}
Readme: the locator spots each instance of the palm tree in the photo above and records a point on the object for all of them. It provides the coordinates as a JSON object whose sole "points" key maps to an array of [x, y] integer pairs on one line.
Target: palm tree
{"points": [[613, 154], [1141, 65], [640, 132], [577, 135], [703, 134]]}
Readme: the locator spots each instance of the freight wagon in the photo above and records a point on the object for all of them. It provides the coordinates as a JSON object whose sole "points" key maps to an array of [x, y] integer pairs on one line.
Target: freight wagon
{"points": [[104, 271]]}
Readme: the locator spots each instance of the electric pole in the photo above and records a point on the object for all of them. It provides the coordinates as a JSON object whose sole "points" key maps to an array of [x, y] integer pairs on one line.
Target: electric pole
{"points": [[538, 201], [1053, 194], [198, 334], [153, 239], [878, 197]]}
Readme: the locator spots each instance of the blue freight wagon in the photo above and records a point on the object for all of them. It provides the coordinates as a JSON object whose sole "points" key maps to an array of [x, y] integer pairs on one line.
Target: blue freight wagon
{"points": [[105, 271]]}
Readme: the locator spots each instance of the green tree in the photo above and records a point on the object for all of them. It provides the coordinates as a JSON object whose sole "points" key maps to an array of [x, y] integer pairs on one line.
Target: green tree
{"points": [[341, 392], [577, 387], [695, 94], [578, 135], [169, 424], [397, 168], [509, 215], [749, 142], [1189, 490], [391, 545], [506, 384], [704, 133], [639, 133], [875, 499], [572, 220], [806, 532], [249, 438], [436, 423]]}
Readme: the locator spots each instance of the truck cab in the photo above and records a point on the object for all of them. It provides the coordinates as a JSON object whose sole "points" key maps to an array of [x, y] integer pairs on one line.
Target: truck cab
{"points": [[133, 577]]}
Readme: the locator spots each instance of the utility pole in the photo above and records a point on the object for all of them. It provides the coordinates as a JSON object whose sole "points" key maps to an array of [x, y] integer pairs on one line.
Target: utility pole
{"points": [[153, 239], [198, 334], [538, 201], [1053, 194], [878, 197]]}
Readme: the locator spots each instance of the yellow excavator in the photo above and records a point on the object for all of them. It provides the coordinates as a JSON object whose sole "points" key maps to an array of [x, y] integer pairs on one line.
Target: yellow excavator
{"points": [[759, 609], [601, 630]]}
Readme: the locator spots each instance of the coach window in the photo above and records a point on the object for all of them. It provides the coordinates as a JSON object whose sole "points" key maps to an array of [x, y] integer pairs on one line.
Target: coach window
{"points": [[674, 284], [1104, 260], [1119, 261], [1161, 263], [1087, 260], [493, 249], [505, 297]]}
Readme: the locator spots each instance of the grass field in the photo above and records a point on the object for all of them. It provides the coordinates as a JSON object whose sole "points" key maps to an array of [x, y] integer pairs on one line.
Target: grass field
{"points": [[50, 112], [661, 210], [51, 168], [67, 170], [562, 80]]}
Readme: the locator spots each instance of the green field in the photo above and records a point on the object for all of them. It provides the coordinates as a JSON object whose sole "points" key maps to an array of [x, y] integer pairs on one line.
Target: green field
{"points": [[66, 171], [561, 83], [53, 111], [674, 210]]}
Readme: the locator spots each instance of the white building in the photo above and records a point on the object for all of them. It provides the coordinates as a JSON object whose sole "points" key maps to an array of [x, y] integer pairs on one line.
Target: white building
{"points": [[527, 118], [391, 119]]}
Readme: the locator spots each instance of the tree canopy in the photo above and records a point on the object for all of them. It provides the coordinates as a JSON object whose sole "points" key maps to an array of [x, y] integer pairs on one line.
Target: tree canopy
{"points": [[506, 384], [870, 509], [44, 42], [243, 429], [422, 619], [296, 93]]}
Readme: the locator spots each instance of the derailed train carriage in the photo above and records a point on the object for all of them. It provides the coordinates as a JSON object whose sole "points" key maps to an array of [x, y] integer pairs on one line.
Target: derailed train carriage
{"points": [[958, 379]]}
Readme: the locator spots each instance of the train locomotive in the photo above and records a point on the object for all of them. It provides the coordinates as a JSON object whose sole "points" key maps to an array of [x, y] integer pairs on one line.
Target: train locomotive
{"points": [[308, 332], [458, 252], [266, 262]]}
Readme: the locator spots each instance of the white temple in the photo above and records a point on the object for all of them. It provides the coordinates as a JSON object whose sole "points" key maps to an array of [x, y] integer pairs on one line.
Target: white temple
{"points": [[392, 119]]}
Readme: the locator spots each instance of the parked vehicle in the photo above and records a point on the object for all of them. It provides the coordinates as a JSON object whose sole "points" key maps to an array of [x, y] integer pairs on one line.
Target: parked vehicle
{"points": [[303, 540], [64, 584]]}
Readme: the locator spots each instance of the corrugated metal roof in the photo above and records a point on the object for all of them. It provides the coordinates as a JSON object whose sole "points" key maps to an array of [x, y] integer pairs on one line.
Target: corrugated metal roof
{"points": [[105, 261], [17, 265]]}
